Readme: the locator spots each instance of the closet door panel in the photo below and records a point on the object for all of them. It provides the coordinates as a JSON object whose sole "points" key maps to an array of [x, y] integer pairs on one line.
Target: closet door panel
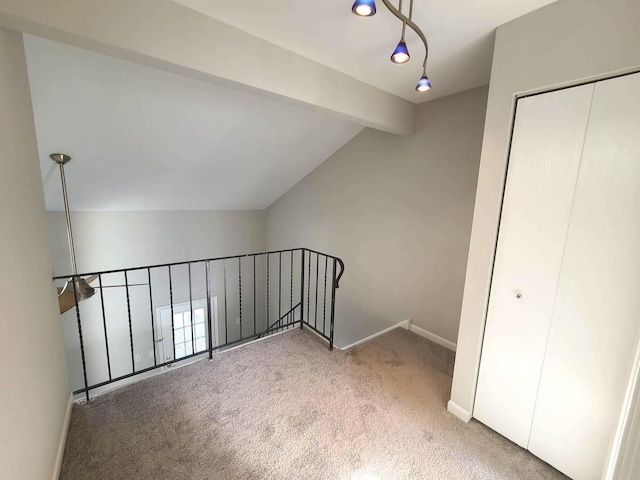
{"points": [[543, 167], [593, 331]]}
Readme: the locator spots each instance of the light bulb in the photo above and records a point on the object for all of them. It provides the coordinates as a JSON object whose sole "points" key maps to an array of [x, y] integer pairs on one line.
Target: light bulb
{"points": [[364, 8], [401, 53], [424, 85]]}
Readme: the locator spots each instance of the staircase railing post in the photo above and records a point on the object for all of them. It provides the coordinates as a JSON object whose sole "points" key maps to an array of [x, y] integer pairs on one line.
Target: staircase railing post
{"points": [[210, 330], [84, 363], [302, 289], [333, 302]]}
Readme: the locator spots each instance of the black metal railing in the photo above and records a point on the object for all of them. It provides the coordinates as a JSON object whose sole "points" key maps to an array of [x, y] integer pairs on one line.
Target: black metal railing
{"points": [[180, 311], [287, 320]]}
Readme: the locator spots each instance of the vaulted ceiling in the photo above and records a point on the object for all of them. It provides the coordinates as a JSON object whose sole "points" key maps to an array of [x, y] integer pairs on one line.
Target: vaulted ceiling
{"points": [[460, 34], [145, 139], [211, 104]]}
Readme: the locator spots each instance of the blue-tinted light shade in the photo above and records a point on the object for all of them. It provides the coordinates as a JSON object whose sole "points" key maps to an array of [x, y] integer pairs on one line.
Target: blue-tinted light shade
{"points": [[424, 85], [364, 8], [401, 53]]}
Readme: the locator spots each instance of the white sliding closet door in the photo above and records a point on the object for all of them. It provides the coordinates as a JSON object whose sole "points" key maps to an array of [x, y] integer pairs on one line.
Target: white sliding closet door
{"points": [[593, 333], [543, 168]]}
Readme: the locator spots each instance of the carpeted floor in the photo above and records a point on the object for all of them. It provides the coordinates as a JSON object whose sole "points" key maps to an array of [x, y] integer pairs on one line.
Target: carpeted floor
{"points": [[287, 408]]}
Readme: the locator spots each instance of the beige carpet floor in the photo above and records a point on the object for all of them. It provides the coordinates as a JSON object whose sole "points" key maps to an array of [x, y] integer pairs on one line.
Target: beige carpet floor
{"points": [[287, 408]]}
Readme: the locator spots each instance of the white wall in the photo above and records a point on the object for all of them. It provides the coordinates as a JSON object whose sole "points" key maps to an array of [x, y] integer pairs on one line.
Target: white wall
{"points": [[563, 43], [116, 240], [35, 389], [398, 211]]}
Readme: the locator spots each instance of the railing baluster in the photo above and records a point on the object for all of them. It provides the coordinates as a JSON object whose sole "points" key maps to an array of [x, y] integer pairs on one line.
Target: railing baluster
{"points": [[153, 327], [267, 325], [333, 303], [173, 338], [84, 364], [309, 293], [104, 324], [209, 329], [280, 285], [254, 295], [291, 281], [315, 321], [240, 293], [324, 308], [126, 286], [301, 289], [193, 341], [224, 283]]}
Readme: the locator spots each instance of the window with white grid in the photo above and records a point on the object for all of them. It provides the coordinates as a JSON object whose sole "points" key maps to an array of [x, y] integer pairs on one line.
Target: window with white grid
{"points": [[189, 332]]}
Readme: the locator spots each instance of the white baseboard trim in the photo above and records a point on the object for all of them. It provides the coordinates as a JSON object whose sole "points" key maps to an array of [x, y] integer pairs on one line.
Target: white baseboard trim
{"points": [[432, 336], [403, 324], [407, 325], [458, 411], [62, 440]]}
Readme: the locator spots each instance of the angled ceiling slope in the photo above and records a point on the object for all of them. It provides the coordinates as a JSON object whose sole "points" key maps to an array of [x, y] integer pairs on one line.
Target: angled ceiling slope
{"points": [[145, 139], [460, 34], [171, 37]]}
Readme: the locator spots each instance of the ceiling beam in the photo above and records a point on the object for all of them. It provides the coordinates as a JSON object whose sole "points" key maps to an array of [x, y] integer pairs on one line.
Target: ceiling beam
{"points": [[171, 37]]}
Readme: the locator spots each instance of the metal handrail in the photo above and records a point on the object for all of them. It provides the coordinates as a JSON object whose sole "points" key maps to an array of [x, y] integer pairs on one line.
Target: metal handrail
{"points": [[244, 255], [337, 259]]}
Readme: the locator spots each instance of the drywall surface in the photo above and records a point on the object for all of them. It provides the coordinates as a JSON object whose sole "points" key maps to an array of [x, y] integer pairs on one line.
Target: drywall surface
{"points": [[398, 211], [145, 139], [35, 389], [561, 44], [116, 240]]}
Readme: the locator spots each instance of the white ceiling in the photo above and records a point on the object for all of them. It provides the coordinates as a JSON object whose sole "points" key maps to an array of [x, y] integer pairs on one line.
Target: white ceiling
{"points": [[460, 35], [145, 139]]}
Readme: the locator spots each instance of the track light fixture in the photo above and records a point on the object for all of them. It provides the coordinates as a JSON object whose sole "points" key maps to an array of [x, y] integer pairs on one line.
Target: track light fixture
{"points": [[367, 8]]}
